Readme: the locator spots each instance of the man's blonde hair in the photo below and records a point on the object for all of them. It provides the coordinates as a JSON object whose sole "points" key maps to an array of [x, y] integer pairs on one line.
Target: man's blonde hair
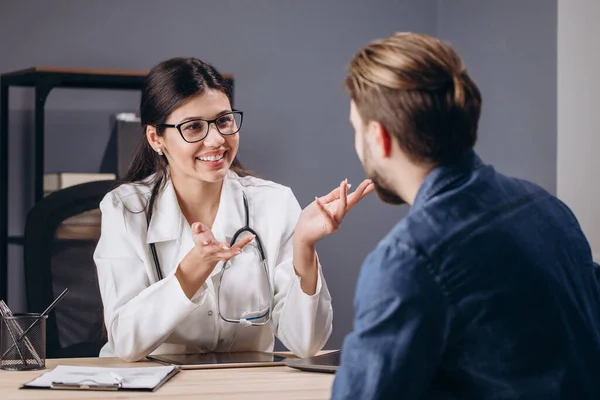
{"points": [[418, 88]]}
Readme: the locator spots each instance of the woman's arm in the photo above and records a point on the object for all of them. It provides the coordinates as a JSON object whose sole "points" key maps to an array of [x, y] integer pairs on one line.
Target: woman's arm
{"points": [[305, 311], [303, 321], [306, 265], [138, 314]]}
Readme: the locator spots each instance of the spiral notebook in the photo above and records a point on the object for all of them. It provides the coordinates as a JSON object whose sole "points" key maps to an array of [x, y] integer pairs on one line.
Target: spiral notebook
{"points": [[103, 378]]}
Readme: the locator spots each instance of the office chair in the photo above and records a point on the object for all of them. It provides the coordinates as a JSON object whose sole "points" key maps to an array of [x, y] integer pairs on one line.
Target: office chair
{"points": [[61, 234]]}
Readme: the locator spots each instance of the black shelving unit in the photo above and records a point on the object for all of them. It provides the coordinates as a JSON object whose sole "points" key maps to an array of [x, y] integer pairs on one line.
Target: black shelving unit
{"points": [[43, 80]]}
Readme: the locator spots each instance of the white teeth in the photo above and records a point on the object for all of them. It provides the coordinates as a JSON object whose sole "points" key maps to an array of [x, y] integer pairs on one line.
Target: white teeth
{"points": [[212, 158]]}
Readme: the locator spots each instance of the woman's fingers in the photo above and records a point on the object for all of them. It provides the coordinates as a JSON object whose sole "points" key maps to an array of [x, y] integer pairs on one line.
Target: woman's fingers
{"points": [[222, 251], [218, 251], [327, 214], [361, 191], [201, 234], [342, 203], [331, 196], [335, 193], [240, 244]]}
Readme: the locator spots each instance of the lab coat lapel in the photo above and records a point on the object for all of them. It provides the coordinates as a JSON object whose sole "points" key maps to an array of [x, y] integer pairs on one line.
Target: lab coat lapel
{"points": [[165, 229], [165, 224], [230, 216]]}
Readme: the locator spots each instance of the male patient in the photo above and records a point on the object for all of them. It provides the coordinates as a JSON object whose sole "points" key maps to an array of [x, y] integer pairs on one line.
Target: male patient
{"points": [[486, 289]]}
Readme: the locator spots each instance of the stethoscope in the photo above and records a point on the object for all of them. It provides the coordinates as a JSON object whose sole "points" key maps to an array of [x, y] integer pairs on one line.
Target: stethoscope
{"points": [[227, 265]]}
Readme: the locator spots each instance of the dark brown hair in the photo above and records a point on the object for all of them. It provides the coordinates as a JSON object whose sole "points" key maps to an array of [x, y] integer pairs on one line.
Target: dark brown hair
{"points": [[418, 88]]}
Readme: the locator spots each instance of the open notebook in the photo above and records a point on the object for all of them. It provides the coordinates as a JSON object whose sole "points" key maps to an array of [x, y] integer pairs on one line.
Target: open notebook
{"points": [[103, 378]]}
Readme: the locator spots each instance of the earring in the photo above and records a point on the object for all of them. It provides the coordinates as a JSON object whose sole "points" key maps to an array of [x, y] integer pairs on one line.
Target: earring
{"points": [[159, 151]]}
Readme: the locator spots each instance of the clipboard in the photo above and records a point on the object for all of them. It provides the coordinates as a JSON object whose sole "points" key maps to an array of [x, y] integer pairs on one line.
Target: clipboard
{"points": [[144, 379]]}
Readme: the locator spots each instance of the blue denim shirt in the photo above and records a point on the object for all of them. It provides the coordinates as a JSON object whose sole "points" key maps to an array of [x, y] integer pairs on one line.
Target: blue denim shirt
{"points": [[485, 290]]}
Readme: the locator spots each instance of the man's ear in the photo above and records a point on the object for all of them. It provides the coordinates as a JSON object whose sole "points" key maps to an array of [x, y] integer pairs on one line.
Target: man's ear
{"points": [[381, 138], [153, 138]]}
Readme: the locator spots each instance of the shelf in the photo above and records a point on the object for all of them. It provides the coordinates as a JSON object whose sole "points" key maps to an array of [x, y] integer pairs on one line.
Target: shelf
{"points": [[51, 77], [66, 232], [43, 80], [77, 232], [16, 240]]}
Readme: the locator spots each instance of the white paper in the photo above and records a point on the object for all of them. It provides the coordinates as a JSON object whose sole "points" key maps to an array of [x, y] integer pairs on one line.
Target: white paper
{"points": [[133, 378]]}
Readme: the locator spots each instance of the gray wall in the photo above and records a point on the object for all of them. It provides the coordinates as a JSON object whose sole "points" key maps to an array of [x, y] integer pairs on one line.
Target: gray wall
{"points": [[578, 117], [289, 59], [509, 48]]}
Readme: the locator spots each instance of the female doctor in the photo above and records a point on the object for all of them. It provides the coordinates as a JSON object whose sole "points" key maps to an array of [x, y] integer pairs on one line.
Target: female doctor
{"points": [[197, 255]]}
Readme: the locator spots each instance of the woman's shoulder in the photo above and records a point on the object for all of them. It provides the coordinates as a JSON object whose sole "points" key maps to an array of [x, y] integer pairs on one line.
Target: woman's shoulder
{"points": [[130, 195], [255, 186], [258, 184]]}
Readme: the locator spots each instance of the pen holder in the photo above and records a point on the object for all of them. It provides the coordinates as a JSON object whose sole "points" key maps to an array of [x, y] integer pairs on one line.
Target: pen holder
{"points": [[23, 342]]}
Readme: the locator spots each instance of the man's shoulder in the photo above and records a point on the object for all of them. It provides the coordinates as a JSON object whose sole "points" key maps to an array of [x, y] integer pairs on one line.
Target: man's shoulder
{"points": [[486, 201], [396, 253], [396, 270]]}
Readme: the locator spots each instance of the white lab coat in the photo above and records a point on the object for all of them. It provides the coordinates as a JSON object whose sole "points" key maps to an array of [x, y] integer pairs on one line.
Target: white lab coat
{"points": [[143, 316]]}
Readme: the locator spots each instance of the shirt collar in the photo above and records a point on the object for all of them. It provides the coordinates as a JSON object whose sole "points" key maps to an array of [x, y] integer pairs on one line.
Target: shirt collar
{"points": [[446, 175]]}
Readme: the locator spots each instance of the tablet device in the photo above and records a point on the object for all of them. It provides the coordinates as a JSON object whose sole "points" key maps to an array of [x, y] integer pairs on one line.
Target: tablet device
{"points": [[220, 360], [328, 362]]}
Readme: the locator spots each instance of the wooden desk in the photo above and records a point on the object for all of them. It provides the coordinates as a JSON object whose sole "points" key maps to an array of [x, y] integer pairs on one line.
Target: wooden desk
{"points": [[280, 383]]}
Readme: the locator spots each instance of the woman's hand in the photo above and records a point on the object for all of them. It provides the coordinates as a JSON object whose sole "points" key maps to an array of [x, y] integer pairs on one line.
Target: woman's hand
{"points": [[211, 251], [324, 215], [198, 264]]}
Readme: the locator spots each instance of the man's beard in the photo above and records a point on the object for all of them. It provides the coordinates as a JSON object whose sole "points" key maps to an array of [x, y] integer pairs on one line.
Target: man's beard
{"points": [[384, 192], [386, 195]]}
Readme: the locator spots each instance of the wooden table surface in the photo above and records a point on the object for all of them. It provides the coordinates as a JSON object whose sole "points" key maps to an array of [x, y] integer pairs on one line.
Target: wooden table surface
{"points": [[280, 383]]}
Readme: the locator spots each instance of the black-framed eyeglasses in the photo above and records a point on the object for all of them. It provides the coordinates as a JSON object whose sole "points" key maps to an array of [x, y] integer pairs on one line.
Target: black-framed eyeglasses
{"points": [[194, 130]]}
